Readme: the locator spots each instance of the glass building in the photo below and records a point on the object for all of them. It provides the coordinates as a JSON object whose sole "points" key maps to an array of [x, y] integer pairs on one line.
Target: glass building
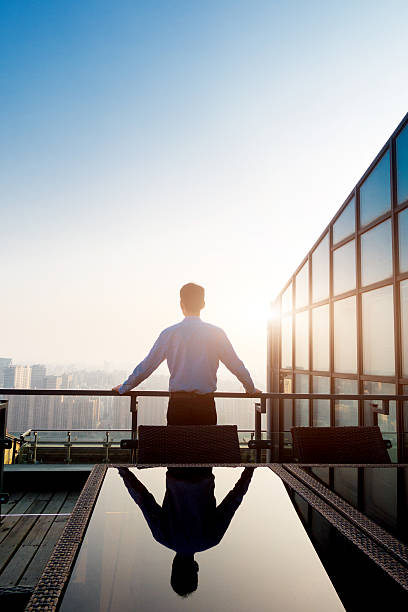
{"points": [[343, 325]]}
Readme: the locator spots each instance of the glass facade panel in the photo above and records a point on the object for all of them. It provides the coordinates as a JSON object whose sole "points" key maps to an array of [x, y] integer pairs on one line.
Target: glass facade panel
{"points": [[402, 165], [376, 408], [320, 271], [302, 340], [403, 240], [287, 300], [321, 408], [344, 268], [287, 404], [404, 326], [375, 193], [286, 342], [352, 336], [376, 254], [346, 223], [320, 327], [345, 336], [378, 332], [302, 287], [302, 405], [345, 411]]}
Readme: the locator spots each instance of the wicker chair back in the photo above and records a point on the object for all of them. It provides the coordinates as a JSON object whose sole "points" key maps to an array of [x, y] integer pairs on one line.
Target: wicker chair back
{"points": [[339, 445], [188, 444]]}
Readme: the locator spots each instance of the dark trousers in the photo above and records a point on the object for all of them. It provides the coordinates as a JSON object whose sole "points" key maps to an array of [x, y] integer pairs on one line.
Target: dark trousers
{"points": [[191, 409]]}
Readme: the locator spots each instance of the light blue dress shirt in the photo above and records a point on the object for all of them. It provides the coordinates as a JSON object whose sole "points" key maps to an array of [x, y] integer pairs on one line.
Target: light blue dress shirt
{"points": [[193, 350]]}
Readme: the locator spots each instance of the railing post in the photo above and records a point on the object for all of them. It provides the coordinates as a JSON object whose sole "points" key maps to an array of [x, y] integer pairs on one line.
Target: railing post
{"points": [[133, 410], [35, 447], [258, 429], [13, 456], [69, 444], [4, 444], [107, 445]]}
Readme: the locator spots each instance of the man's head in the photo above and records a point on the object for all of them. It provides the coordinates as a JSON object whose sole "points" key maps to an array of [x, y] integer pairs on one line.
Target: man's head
{"points": [[184, 575], [192, 299]]}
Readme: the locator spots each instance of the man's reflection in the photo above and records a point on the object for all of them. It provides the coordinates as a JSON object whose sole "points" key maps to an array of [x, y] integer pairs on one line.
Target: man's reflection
{"points": [[189, 520]]}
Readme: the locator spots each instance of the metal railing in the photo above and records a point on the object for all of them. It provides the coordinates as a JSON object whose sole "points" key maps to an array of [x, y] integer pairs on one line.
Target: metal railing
{"points": [[30, 447], [266, 403], [259, 409]]}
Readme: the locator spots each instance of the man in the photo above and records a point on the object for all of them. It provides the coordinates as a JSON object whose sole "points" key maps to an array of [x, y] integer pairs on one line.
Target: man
{"points": [[193, 350]]}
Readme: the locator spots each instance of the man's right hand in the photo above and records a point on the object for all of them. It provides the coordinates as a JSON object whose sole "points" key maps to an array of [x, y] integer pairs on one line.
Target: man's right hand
{"points": [[116, 388]]}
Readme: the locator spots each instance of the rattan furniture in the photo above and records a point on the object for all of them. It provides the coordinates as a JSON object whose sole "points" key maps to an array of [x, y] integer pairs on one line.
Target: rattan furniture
{"points": [[188, 444], [339, 445]]}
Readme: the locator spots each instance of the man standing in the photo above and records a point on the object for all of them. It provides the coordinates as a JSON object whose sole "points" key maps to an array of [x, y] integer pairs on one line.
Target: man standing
{"points": [[193, 350]]}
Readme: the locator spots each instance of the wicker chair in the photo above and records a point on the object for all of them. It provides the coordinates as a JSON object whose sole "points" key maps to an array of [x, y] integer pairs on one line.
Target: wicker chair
{"points": [[188, 444], [339, 445]]}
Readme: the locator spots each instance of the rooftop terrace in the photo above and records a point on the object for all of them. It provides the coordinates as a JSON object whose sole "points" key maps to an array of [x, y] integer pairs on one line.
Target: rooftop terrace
{"points": [[45, 477]]}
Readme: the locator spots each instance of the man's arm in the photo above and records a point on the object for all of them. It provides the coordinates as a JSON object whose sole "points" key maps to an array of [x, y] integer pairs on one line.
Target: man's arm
{"points": [[145, 500], [227, 508], [231, 360], [145, 367]]}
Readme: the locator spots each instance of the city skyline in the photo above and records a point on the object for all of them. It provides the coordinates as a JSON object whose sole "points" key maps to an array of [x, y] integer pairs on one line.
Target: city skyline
{"points": [[100, 413]]}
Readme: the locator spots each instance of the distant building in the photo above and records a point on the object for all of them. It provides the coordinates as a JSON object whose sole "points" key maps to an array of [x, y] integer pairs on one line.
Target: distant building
{"points": [[85, 412], [67, 381], [38, 374], [344, 312], [52, 382], [5, 362], [17, 377]]}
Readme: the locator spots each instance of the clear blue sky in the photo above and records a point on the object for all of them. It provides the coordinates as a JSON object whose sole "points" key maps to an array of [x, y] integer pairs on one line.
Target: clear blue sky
{"points": [[148, 144]]}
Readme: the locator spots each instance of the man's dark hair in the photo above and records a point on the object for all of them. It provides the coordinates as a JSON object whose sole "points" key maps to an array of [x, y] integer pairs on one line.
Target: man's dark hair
{"points": [[192, 296], [184, 575]]}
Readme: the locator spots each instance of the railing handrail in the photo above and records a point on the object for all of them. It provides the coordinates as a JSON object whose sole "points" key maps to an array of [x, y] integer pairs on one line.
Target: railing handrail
{"points": [[74, 430], [217, 394]]}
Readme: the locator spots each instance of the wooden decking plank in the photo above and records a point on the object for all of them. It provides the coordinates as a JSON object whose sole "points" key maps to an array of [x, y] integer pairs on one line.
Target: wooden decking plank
{"points": [[25, 502], [8, 522], [6, 526], [13, 540], [55, 503], [40, 559], [39, 531], [45, 495], [15, 496], [17, 565], [27, 542], [70, 502], [19, 531], [13, 499], [6, 508]]}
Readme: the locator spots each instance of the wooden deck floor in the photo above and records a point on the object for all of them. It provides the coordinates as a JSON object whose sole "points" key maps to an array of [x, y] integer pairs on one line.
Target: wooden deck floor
{"points": [[32, 524]]}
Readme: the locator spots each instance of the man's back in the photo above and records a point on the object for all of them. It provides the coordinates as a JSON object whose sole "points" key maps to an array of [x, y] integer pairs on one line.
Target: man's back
{"points": [[193, 350]]}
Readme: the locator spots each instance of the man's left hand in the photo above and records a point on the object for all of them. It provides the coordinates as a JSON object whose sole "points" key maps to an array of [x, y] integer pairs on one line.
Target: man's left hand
{"points": [[116, 388]]}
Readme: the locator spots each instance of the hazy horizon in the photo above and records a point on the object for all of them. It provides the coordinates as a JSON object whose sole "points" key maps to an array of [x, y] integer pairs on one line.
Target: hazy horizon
{"points": [[147, 146]]}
